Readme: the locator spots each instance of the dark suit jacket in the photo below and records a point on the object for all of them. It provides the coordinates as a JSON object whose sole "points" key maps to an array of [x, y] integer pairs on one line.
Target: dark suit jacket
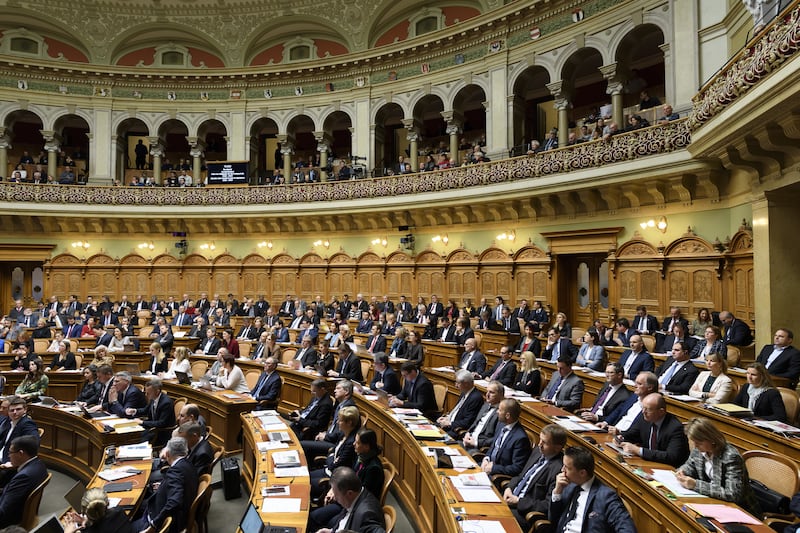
{"points": [[769, 405], [682, 380], [618, 398], [512, 327], [213, 349], [391, 383], [380, 344], [570, 391], [25, 426], [174, 497], [16, 492], [530, 382], [350, 368], [787, 365], [467, 413], [664, 343], [185, 320], [271, 390], [201, 457], [647, 323], [309, 358], [104, 339], [155, 367], [477, 364], [565, 347], [514, 451], [507, 374], [603, 513], [316, 420], [616, 415], [364, 326], [415, 353], [537, 496], [286, 308], [487, 435], [643, 363], [738, 334], [523, 314], [625, 338], [421, 397], [333, 434], [462, 338], [668, 320], [366, 517], [535, 347], [164, 417], [134, 398], [672, 446]]}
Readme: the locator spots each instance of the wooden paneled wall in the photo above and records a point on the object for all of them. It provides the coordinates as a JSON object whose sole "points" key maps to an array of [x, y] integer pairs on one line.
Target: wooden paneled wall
{"points": [[689, 272]]}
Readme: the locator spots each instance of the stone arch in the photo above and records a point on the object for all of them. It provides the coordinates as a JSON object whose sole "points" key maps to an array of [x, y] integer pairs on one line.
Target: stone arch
{"points": [[468, 101], [529, 90], [144, 35], [639, 53], [173, 133], [582, 82], [301, 128], [123, 120], [388, 121], [427, 112], [279, 30], [337, 124], [212, 133], [263, 143]]}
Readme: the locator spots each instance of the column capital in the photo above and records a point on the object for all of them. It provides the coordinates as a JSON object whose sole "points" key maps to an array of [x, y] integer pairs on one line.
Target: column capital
{"points": [[557, 89], [561, 104], [5, 139], [52, 141]]}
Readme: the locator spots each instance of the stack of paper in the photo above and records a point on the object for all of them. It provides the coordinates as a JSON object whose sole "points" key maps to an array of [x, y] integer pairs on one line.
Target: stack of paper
{"points": [[475, 488], [113, 474], [286, 459], [135, 451]]}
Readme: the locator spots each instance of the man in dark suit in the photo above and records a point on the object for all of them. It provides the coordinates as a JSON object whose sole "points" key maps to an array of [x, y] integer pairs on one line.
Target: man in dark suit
{"points": [[182, 318], [103, 336], [781, 358], [417, 392], [677, 374], [636, 359], [523, 311], [565, 389], [199, 328], [658, 436], [386, 305], [557, 346], [674, 318], [530, 490], [507, 322], [483, 307], [158, 415], [405, 311], [435, 310], [123, 396], [613, 394], [315, 416], [30, 472], [306, 355], [643, 323], [630, 411], [463, 414], [376, 342], [472, 360], [504, 370], [511, 446], [261, 306], [175, 494], [664, 343], [538, 314], [247, 332], [201, 454], [447, 332], [329, 437], [16, 424], [361, 511], [365, 324], [481, 433], [463, 331], [624, 332], [105, 376], [737, 333], [349, 365], [601, 511], [211, 344], [383, 375], [267, 391], [287, 307]]}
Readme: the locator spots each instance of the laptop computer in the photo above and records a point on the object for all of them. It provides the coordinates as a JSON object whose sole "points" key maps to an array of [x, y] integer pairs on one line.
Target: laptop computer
{"points": [[51, 525], [183, 378], [251, 521], [48, 401], [132, 369], [74, 496], [87, 414]]}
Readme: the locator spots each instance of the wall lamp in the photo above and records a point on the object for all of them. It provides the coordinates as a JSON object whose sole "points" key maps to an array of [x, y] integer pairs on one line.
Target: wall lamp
{"points": [[441, 238], [147, 246], [81, 244], [507, 236], [208, 246], [660, 224], [265, 244], [382, 241], [326, 243]]}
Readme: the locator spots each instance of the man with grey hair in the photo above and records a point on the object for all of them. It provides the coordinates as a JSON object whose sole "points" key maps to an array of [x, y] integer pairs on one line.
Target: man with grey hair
{"points": [[122, 396], [466, 409], [201, 454], [481, 432], [174, 495], [158, 416], [361, 511]]}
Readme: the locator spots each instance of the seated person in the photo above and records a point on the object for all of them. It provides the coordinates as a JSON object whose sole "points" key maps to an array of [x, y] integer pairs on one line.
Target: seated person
{"points": [[231, 376], [158, 415], [35, 382], [343, 452], [658, 436], [781, 358], [29, 473], [511, 446], [267, 391], [315, 416], [469, 403], [677, 374], [565, 389], [383, 375], [361, 511], [122, 395], [64, 359], [529, 377], [713, 385], [97, 516], [760, 395], [481, 433], [90, 393]]}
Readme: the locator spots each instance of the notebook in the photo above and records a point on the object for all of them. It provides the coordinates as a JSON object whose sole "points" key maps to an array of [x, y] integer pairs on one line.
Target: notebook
{"points": [[183, 378]]}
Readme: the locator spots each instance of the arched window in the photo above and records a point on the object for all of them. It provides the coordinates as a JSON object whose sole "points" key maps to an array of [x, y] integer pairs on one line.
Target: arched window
{"points": [[425, 21], [23, 42], [299, 53], [299, 49], [426, 25]]}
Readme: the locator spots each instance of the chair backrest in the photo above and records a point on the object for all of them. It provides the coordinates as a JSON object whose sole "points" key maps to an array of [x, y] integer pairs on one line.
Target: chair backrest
{"points": [[440, 391], [364, 419], [199, 368], [40, 345], [167, 522], [30, 513], [179, 403], [389, 473], [390, 517], [41, 432], [578, 333], [251, 377], [733, 355], [78, 361], [202, 488], [366, 366], [146, 330], [73, 345], [478, 338], [790, 402], [218, 454], [778, 472], [244, 350], [288, 354], [648, 340]]}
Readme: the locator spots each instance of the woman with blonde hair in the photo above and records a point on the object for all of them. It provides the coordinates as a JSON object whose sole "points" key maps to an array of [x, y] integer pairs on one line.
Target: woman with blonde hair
{"points": [[713, 385], [102, 357], [96, 516], [180, 363], [563, 326], [529, 379], [158, 359]]}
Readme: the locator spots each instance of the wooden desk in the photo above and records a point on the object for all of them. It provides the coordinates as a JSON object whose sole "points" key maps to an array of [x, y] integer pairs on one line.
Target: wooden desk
{"points": [[653, 511], [441, 354], [73, 443], [258, 470], [492, 340], [64, 385]]}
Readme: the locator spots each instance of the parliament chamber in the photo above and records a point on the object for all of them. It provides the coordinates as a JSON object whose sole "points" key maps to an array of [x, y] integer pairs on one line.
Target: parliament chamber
{"points": [[688, 203]]}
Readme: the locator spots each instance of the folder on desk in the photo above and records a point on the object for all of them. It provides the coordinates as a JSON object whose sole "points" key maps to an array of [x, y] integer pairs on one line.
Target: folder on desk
{"points": [[731, 409], [286, 459]]}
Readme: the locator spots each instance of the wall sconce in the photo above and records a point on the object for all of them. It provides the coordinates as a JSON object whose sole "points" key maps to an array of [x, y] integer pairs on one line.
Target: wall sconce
{"points": [[443, 238], [84, 245], [660, 225], [382, 241], [265, 244], [208, 246], [326, 243], [147, 246], [507, 236]]}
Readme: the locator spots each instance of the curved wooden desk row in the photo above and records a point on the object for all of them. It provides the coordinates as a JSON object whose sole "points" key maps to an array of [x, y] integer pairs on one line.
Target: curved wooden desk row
{"points": [[652, 510], [419, 485]]}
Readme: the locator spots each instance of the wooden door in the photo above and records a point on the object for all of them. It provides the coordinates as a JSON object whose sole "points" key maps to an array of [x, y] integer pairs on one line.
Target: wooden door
{"points": [[584, 288]]}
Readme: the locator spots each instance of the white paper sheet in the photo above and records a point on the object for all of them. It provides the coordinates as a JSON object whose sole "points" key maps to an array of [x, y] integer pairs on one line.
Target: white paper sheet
{"points": [[294, 471], [281, 505], [484, 526], [668, 479]]}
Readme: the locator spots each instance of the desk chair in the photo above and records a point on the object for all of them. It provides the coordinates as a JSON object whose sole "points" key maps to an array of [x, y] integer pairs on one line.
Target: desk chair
{"points": [[167, 523], [778, 472], [790, 402], [30, 515], [193, 524], [390, 517]]}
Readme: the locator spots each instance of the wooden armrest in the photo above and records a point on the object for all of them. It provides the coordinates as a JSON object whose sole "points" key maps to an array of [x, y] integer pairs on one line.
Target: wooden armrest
{"points": [[542, 526], [501, 481], [779, 524], [535, 516]]}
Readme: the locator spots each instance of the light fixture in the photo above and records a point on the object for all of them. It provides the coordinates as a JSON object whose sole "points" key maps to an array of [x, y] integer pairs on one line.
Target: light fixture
{"points": [[660, 225], [208, 246], [265, 244], [147, 246], [382, 241], [441, 238], [507, 236], [81, 244], [326, 243]]}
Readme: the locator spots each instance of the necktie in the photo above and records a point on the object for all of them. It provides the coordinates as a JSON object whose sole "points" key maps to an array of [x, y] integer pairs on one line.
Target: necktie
{"points": [[669, 373], [601, 400], [496, 373], [373, 343], [653, 437], [467, 360], [309, 408], [573, 506], [246, 332], [260, 386], [554, 389], [522, 487], [498, 445], [155, 406]]}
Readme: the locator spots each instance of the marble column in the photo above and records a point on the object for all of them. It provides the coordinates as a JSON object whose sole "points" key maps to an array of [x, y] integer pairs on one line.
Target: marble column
{"points": [[287, 149], [558, 90], [196, 150], [454, 121], [5, 144], [323, 147], [614, 88], [52, 144], [413, 138], [157, 151]]}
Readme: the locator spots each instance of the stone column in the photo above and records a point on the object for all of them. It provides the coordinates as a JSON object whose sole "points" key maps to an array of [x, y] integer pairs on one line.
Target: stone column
{"points": [[157, 151], [413, 138], [614, 88], [52, 144], [196, 148], [561, 103], [114, 151], [454, 121], [323, 146], [287, 149], [5, 144], [669, 81]]}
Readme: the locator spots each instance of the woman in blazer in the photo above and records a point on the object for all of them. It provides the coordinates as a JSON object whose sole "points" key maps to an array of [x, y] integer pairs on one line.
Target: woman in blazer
{"points": [[712, 344], [529, 379], [760, 396], [414, 350], [713, 385]]}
